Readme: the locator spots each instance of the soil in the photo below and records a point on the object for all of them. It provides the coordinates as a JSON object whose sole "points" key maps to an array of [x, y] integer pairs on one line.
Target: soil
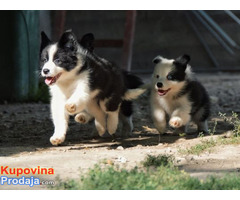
{"points": [[25, 130]]}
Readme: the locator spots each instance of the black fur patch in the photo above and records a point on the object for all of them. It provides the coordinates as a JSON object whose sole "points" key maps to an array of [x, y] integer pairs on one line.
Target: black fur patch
{"points": [[156, 60], [180, 65], [65, 58], [177, 74], [44, 57], [87, 42], [127, 108], [45, 41], [198, 96]]}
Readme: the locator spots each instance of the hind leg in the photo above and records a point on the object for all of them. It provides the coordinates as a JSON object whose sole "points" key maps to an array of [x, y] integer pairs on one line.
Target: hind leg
{"points": [[127, 125], [126, 118], [111, 107], [203, 127], [100, 117], [112, 122]]}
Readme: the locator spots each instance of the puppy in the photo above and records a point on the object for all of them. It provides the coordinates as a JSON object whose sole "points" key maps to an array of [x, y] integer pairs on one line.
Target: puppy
{"points": [[176, 97], [79, 80]]}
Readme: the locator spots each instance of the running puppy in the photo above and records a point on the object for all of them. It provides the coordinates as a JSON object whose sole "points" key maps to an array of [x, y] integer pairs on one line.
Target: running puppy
{"points": [[176, 97], [80, 81]]}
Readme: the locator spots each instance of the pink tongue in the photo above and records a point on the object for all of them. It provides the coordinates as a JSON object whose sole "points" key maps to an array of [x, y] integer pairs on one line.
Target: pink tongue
{"points": [[162, 91], [48, 80]]}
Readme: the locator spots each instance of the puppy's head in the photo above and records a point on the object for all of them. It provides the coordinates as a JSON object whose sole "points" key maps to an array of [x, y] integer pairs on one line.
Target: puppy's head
{"points": [[59, 59], [169, 75]]}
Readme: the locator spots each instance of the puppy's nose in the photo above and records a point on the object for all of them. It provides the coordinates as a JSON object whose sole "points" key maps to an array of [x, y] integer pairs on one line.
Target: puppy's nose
{"points": [[159, 84], [46, 71]]}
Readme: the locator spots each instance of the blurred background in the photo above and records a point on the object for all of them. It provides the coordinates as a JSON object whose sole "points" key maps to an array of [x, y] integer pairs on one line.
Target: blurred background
{"points": [[129, 38]]}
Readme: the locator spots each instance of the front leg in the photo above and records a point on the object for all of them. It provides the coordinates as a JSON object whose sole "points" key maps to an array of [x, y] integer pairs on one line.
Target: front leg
{"points": [[180, 117], [83, 117], [76, 103], [159, 119], [60, 121], [79, 99]]}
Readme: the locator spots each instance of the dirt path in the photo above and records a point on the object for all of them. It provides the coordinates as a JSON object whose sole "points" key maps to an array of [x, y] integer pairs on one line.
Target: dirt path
{"points": [[25, 130]]}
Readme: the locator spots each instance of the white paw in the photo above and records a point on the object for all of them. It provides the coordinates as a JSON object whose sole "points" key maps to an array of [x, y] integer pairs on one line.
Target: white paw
{"points": [[112, 129], [100, 131], [176, 122], [100, 128], [82, 118], [56, 139], [71, 108]]}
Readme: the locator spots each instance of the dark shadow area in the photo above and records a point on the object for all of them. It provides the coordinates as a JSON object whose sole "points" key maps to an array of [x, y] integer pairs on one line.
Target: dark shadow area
{"points": [[28, 127]]}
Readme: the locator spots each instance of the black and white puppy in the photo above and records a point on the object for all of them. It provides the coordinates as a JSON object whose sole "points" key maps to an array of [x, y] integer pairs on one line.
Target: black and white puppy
{"points": [[80, 81], [176, 97]]}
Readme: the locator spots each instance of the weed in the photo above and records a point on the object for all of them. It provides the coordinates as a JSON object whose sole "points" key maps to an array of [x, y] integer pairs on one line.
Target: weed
{"points": [[156, 161], [233, 120], [199, 148], [163, 177], [213, 130]]}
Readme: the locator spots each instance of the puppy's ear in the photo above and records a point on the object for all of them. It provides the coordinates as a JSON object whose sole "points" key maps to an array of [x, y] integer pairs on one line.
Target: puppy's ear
{"points": [[157, 60], [87, 42], [44, 41], [182, 61], [68, 40]]}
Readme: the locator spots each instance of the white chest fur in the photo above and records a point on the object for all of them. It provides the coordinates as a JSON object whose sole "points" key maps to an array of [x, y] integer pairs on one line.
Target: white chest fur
{"points": [[168, 103], [66, 87]]}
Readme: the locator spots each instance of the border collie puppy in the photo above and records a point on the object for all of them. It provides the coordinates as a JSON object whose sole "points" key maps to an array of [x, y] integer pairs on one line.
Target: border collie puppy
{"points": [[176, 97], [80, 80]]}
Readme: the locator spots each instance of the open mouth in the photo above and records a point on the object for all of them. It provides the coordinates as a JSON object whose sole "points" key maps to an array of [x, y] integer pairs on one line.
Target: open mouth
{"points": [[162, 92], [51, 80]]}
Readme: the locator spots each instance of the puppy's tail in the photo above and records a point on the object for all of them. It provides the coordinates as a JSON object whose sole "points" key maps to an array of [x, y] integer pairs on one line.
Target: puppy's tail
{"points": [[135, 86], [132, 94]]}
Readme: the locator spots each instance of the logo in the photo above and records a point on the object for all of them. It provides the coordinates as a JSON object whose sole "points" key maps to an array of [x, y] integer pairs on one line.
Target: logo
{"points": [[30, 181]]}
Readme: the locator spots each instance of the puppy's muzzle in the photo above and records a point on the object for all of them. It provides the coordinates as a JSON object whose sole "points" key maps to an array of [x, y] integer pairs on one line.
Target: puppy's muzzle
{"points": [[159, 84]]}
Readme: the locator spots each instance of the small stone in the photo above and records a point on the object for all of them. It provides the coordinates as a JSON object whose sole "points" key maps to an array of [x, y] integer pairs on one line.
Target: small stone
{"points": [[229, 134], [120, 148], [121, 159]]}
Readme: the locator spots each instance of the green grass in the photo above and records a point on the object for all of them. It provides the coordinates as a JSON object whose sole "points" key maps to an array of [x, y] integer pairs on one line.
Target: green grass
{"points": [[233, 120], [205, 145], [209, 144], [156, 161], [160, 174]]}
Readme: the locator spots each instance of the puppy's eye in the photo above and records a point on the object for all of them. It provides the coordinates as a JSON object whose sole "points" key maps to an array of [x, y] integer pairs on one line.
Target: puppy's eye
{"points": [[157, 76], [57, 61], [169, 77], [43, 60]]}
